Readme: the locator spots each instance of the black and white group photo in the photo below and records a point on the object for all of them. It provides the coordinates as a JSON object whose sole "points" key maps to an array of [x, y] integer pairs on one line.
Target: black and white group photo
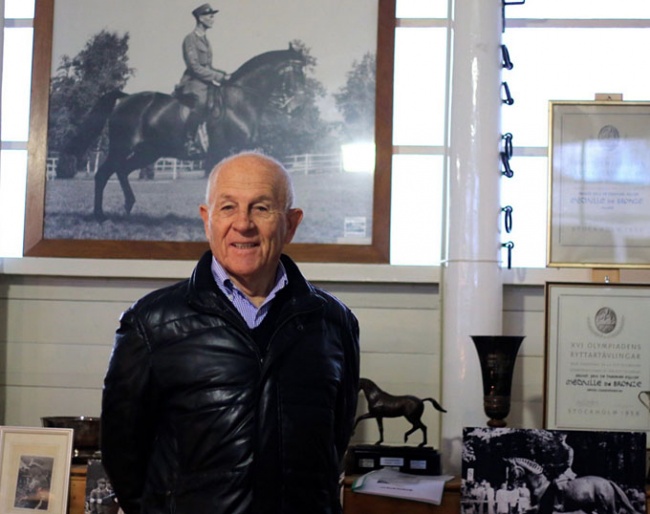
{"points": [[100, 497], [517, 471], [145, 97]]}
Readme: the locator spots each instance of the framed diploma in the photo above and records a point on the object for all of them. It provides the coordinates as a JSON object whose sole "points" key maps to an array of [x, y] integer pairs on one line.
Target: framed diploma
{"points": [[599, 189], [597, 367]]}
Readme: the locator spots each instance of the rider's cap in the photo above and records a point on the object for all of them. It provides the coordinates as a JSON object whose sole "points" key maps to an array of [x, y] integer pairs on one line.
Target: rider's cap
{"points": [[203, 9]]}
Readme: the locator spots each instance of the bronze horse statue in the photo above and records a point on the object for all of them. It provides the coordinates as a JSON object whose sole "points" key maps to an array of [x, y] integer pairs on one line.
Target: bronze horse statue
{"points": [[145, 126], [589, 494], [383, 405]]}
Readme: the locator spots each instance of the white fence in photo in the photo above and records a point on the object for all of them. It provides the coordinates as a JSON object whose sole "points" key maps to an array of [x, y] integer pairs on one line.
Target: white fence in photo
{"points": [[304, 164], [168, 166]]}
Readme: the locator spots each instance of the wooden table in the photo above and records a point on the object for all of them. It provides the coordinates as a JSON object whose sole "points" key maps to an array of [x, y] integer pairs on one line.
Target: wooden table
{"points": [[77, 497]]}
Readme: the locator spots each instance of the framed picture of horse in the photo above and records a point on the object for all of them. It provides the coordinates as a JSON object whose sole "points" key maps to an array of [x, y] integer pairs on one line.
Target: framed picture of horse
{"points": [[133, 103], [35, 469], [516, 470]]}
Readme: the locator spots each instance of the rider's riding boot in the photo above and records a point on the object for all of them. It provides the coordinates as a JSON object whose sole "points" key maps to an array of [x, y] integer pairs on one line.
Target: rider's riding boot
{"points": [[193, 147]]}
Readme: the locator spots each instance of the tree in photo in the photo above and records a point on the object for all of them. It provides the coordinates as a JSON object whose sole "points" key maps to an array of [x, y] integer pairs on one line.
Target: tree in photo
{"points": [[101, 66], [356, 100]]}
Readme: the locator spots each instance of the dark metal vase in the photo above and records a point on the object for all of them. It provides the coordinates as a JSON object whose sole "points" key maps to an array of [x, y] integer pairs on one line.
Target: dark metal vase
{"points": [[497, 356]]}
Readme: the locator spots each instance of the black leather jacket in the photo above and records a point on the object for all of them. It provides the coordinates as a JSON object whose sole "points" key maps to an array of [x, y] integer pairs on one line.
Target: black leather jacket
{"points": [[196, 420]]}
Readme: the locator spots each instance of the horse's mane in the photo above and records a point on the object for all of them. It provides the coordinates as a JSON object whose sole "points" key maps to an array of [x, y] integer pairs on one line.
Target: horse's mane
{"points": [[271, 57], [528, 464]]}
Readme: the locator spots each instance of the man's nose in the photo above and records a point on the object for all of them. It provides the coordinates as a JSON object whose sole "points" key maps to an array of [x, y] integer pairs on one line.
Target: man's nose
{"points": [[243, 218]]}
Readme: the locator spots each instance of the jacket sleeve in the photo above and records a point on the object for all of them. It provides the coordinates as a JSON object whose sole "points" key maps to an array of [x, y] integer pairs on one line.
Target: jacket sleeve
{"points": [[349, 393], [127, 414]]}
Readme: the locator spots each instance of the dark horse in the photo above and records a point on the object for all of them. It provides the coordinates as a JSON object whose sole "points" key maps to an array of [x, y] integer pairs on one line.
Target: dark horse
{"points": [[383, 405], [589, 494], [145, 126]]}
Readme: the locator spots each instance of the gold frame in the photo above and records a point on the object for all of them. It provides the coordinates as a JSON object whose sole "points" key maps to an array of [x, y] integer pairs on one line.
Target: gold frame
{"points": [[35, 244], [51, 444], [591, 177]]}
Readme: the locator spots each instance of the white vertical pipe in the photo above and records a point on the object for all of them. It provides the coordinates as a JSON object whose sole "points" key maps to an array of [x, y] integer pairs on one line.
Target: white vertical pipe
{"points": [[471, 288]]}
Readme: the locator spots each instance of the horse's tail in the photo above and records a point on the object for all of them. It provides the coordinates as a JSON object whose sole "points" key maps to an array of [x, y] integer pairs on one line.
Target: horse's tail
{"points": [[434, 403], [620, 494], [92, 126]]}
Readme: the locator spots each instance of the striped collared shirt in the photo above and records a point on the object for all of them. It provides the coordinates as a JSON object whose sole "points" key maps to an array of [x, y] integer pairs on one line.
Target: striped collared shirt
{"points": [[251, 314]]}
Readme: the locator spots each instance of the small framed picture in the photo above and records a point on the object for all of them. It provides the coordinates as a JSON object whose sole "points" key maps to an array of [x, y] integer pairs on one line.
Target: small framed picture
{"points": [[100, 497], [34, 469]]}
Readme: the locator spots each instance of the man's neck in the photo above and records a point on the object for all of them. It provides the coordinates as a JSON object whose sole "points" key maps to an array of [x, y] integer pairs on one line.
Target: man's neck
{"points": [[257, 288], [255, 292]]}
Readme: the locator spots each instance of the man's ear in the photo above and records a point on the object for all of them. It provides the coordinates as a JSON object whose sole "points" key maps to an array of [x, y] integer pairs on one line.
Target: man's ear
{"points": [[204, 211], [294, 217]]}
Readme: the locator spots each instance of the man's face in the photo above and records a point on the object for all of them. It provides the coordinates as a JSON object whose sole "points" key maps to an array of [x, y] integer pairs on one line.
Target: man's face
{"points": [[246, 221], [207, 20]]}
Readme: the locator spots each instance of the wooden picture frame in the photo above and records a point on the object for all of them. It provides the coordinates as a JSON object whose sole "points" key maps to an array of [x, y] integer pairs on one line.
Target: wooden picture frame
{"points": [[35, 469], [597, 360], [599, 191], [372, 249]]}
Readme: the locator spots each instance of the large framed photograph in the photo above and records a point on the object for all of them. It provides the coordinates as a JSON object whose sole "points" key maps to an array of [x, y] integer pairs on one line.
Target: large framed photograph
{"points": [[122, 138], [34, 469], [597, 368], [599, 197], [517, 470]]}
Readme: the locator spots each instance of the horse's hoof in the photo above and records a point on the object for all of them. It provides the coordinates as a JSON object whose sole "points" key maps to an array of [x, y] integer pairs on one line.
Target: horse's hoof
{"points": [[100, 217]]}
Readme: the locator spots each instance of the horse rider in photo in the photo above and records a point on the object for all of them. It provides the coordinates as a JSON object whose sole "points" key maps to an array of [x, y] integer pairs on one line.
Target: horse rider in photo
{"points": [[198, 79]]}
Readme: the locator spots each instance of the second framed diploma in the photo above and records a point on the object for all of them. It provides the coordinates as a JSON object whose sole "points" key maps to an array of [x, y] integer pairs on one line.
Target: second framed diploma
{"points": [[599, 208]]}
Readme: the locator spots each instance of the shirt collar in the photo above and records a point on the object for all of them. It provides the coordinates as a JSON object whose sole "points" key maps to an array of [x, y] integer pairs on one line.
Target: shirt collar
{"points": [[226, 284]]}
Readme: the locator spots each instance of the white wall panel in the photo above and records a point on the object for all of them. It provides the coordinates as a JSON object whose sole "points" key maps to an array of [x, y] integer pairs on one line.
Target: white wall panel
{"points": [[54, 365], [25, 406], [398, 330], [62, 321]]}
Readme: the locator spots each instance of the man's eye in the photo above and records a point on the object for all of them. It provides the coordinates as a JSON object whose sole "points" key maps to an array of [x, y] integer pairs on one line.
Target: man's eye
{"points": [[227, 209]]}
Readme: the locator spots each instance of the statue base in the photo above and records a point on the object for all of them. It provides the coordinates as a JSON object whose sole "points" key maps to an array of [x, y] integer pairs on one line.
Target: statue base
{"points": [[417, 460]]}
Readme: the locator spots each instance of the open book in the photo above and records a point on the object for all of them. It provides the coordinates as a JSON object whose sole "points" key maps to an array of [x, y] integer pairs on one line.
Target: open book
{"points": [[390, 482]]}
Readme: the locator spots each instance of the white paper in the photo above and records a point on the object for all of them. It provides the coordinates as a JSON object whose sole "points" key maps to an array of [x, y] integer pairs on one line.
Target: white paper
{"points": [[390, 482]]}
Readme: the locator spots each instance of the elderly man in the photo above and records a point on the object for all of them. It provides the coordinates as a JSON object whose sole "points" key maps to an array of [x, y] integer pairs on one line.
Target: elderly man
{"points": [[234, 392]]}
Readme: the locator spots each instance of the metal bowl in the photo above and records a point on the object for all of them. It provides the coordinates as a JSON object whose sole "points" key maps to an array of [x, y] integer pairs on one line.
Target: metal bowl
{"points": [[86, 435]]}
